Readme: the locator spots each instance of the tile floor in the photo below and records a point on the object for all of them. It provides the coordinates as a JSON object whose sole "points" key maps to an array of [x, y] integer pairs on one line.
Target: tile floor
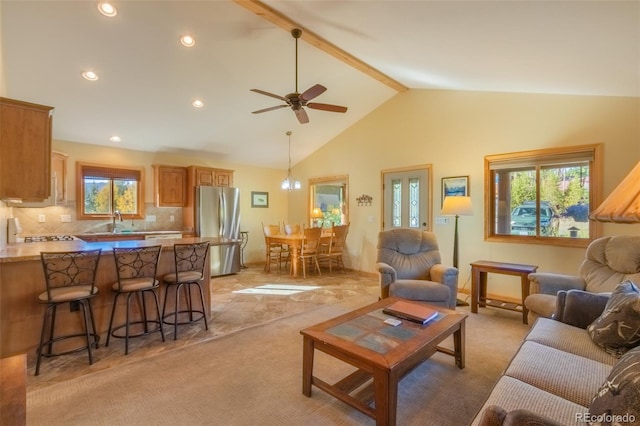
{"points": [[230, 312]]}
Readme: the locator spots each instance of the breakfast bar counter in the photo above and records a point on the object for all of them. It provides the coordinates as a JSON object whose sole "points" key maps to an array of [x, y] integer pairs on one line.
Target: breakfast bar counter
{"points": [[22, 280]]}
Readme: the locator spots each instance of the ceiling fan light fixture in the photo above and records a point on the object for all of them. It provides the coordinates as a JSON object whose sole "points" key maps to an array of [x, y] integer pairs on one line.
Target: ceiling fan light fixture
{"points": [[187, 40], [107, 9]]}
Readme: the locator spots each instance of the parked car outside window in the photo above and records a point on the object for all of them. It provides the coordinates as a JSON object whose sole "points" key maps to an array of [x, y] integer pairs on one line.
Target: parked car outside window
{"points": [[523, 219]]}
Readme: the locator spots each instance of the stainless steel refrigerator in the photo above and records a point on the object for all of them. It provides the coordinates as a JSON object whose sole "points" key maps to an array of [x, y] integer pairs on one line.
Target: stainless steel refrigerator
{"points": [[218, 215]]}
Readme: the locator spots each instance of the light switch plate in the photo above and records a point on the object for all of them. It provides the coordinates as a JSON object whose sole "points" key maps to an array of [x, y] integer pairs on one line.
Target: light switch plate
{"points": [[440, 220], [65, 218], [41, 218]]}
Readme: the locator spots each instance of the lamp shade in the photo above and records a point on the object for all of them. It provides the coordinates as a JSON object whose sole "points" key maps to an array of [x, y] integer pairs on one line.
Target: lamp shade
{"points": [[623, 204], [457, 206], [317, 213]]}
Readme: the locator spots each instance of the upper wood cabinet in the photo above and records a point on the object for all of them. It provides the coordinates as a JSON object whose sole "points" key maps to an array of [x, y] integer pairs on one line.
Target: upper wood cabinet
{"points": [[170, 186], [207, 176], [25, 150], [59, 175]]}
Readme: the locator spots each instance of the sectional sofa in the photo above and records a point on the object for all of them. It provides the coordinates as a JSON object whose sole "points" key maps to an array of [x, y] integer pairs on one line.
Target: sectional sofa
{"points": [[572, 369]]}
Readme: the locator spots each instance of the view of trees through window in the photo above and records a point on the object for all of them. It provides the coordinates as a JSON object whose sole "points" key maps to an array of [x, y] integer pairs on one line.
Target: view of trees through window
{"points": [[563, 205], [104, 196], [543, 193]]}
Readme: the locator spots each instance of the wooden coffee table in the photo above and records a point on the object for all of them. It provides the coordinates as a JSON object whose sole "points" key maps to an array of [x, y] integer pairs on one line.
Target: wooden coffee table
{"points": [[380, 352]]}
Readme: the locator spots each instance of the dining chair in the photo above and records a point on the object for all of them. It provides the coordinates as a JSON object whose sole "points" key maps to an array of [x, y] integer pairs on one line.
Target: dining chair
{"points": [[69, 278], [310, 248], [136, 270], [275, 253], [333, 252], [190, 263], [291, 228]]}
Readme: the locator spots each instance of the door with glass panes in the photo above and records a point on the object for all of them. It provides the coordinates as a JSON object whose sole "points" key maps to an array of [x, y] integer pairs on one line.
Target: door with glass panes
{"points": [[407, 198]]}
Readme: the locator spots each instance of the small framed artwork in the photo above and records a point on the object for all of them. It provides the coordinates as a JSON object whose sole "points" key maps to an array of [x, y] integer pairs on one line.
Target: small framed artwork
{"points": [[455, 186], [259, 199]]}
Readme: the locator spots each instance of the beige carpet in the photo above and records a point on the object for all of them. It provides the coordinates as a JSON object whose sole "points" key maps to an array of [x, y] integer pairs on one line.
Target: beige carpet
{"points": [[253, 377]]}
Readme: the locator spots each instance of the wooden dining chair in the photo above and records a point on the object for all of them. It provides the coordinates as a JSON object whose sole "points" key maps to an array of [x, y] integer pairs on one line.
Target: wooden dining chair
{"points": [[275, 253], [334, 251], [310, 249]]}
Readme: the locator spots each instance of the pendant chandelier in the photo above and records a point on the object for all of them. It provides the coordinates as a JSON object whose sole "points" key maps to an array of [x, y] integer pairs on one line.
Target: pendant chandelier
{"points": [[290, 183]]}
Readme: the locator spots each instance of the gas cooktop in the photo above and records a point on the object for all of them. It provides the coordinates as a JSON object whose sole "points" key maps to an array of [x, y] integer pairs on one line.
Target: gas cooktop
{"points": [[46, 238]]}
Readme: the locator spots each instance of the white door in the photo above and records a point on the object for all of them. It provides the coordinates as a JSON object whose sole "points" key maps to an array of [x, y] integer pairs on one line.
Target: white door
{"points": [[407, 200]]}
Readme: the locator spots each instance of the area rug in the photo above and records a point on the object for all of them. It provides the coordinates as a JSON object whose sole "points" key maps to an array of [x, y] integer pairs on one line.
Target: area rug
{"points": [[254, 377]]}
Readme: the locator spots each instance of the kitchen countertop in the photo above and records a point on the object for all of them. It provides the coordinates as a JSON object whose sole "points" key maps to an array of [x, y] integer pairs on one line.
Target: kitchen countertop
{"points": [[31, 251]]}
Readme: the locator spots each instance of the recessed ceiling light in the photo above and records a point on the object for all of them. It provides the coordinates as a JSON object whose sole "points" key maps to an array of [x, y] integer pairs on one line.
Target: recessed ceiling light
{"points": [[197, 103], [115, 139], [187, 40], [90, 75], [107, 9]]}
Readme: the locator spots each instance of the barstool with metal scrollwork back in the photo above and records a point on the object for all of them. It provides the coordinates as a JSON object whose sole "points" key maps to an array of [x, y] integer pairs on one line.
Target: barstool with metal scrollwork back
{"points": [[244, 240], [69, 278], [136, 268], [190, 262]]}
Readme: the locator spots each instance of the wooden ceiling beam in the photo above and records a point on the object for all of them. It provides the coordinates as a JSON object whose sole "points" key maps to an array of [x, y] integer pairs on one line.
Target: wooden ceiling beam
{"points": [[310, 37]]}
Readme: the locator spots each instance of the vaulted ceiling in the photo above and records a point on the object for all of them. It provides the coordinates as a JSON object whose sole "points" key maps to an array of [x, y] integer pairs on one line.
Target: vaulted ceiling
{"points": [[363, 52]]}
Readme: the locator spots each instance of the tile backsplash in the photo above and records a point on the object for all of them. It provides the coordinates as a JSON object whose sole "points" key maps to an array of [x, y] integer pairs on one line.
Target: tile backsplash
{"points": [[30, 219]]}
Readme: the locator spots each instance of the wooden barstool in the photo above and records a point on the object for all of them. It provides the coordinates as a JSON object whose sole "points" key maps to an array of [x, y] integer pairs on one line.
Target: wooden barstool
{"points": [[136, 268], [190, 262], [69, 278]]}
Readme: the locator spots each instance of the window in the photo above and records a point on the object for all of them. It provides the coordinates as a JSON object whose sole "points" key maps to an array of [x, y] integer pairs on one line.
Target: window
{"points": [[330, 195], [543, 196], [101, 190]]}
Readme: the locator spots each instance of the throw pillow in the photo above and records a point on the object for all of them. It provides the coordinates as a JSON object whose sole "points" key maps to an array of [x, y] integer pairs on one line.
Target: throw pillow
{"points": [[617, 329], [618, 399]]}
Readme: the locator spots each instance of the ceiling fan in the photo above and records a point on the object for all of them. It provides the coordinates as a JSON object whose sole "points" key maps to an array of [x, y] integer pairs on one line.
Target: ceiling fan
{"points": [[297, 101]]}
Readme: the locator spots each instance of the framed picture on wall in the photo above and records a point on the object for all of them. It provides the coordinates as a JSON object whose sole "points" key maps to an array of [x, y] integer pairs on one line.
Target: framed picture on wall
{"points": [[455, 186], [259, 199]]}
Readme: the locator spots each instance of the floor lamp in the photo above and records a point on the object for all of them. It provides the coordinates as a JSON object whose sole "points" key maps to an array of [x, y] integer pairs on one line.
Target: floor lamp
{"points": [[456, 206]]}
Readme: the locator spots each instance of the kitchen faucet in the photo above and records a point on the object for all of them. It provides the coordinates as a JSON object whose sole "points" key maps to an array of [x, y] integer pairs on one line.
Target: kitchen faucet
{"points": [[117, 214]]}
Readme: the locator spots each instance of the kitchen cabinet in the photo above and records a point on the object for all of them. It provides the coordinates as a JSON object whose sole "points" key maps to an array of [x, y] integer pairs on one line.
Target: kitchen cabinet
{"points": [[59, 176], [170, 186], [25, 150], [208, 176]]}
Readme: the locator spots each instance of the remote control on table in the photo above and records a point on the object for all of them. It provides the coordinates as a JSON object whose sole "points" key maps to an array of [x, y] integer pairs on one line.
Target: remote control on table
{"points": [[392, 321]]}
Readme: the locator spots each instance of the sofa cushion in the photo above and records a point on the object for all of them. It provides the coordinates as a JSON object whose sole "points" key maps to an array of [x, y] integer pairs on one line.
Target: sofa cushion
{"points": [[420, 290], [558, 372], [569, 339], [619, 395], [513, 394], [617, 329], [497, 416]]}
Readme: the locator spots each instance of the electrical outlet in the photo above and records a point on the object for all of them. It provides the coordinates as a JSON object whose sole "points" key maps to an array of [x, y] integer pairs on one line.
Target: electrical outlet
{"points": [[440, 220], [150, 218], [41, 218], [65, 218], [172, 218]]}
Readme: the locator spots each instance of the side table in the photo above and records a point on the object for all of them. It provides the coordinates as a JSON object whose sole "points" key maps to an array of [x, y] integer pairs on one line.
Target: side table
{"points": [[479, 270]]}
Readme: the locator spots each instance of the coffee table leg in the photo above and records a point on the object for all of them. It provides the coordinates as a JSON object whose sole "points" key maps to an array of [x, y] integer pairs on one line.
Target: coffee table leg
{"points": [[386, 397], [307, 365], [458, 345]]}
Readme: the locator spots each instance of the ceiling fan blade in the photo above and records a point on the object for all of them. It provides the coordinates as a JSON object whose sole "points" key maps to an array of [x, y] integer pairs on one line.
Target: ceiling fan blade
{"points": [[269, 109], [303, 118], [262, 92], [327, 107], [312, 92]]}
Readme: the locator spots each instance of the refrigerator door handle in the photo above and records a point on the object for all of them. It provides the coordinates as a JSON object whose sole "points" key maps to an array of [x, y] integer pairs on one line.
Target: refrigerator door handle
{"points": [[221, 213]]}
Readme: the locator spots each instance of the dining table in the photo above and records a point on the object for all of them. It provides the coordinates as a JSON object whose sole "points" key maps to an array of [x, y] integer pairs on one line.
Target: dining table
{"points": [[294, 241]]}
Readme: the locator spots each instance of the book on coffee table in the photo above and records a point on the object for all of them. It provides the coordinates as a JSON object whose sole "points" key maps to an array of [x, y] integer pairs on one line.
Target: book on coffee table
{"points": [[411, 311]]}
